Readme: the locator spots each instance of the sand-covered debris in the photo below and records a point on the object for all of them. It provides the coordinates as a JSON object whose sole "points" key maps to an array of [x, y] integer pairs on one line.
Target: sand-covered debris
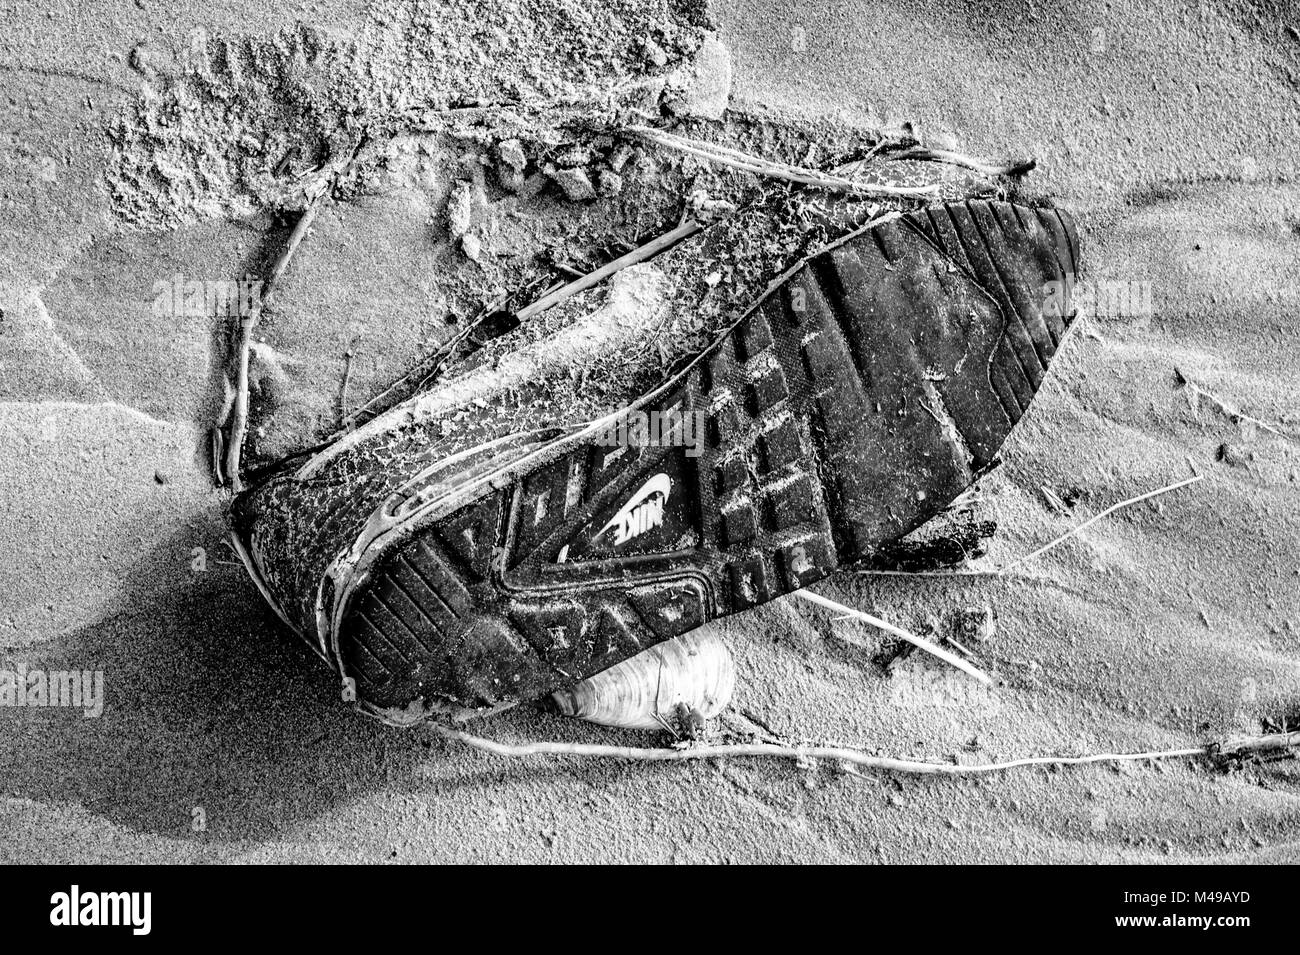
{"points": [[235, 122]]}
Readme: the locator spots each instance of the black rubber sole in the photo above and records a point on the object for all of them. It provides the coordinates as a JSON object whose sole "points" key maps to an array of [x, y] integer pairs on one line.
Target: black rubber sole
{"points": [[850, 406]]}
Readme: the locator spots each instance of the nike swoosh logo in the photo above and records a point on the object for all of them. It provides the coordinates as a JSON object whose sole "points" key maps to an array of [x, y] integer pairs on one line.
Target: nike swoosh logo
{"points": [[641, 512]]}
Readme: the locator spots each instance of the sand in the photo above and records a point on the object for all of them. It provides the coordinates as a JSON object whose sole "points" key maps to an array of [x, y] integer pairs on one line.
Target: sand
{"points": [[1169, 130]]}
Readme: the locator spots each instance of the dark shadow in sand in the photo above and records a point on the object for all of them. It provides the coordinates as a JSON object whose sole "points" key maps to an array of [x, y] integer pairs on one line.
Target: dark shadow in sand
{"points": [[211, 703]]}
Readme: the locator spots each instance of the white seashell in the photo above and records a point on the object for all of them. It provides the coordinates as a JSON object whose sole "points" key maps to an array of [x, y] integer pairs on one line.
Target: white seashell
{"points": [[694, 670]]}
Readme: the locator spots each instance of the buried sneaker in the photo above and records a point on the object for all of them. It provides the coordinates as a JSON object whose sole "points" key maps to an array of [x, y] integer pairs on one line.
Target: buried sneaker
{"points": [[475, 546]]}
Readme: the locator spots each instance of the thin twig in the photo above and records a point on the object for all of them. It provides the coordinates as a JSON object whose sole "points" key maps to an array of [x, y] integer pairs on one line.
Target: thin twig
{"points": [[343, 389], [648, 251], [1092, 520], [1054, 499], [1234, 414], [948, 572], [725, 156], [956, 643], [853, 757], [1005, 569], [1245, 745], [423, 370], [920, 643], [1007, 167], [238, 420]]}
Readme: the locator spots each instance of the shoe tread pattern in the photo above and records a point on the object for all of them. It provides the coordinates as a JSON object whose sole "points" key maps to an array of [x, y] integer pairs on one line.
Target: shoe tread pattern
{"points": [[850, 406]]}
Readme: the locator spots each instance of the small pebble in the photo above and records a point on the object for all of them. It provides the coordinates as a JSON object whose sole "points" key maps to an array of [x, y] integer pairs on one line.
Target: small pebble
{"points": [[654, 53], [460, 209], [575, 183], [976, 623], [609, 183], [1234, 455], [620, 157], [511, 152]]}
